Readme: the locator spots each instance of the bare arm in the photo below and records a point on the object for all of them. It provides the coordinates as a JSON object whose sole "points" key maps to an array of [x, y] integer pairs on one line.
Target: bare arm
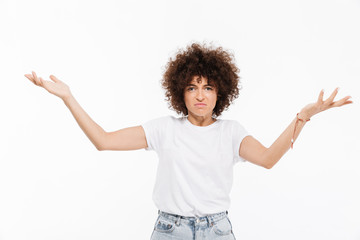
{"points": [[125, 139], [91, 129], [131, 138], [253, 151]]}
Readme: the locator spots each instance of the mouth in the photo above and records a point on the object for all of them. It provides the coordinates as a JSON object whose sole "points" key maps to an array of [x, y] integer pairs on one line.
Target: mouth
{"points": [[200, 104]]}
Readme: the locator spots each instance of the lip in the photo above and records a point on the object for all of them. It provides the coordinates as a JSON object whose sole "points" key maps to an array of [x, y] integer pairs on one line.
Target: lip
{"points": [[200, 104]]}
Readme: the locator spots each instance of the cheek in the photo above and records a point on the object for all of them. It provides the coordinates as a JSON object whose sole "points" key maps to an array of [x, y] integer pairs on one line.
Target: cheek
{"points": [[213, 97], [186, 100]]}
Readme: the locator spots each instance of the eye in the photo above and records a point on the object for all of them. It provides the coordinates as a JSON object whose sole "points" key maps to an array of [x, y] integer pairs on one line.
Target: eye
{"points": [[209, 88], [190, 88]]}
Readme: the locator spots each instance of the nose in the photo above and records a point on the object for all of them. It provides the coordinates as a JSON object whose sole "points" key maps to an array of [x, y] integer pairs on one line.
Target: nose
{"points": [[199, 95]]}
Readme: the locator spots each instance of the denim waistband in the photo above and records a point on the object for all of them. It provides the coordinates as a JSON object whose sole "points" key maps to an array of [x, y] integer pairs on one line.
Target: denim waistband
{"points": [[210, 218]]}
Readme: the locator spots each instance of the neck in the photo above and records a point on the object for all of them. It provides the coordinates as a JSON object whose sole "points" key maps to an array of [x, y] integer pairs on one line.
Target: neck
{"points": [[201, 120]]}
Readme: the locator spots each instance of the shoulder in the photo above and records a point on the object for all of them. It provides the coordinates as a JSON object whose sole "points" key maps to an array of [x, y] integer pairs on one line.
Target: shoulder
{"points": [[232, 125], [228, 123]]}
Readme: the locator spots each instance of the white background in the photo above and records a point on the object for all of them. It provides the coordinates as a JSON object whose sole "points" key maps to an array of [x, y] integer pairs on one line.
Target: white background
{"points": [[54, 184]]}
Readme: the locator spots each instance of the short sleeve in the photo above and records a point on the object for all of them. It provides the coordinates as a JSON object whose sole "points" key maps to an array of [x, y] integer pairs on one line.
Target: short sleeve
{"points": [[154, 131], [239, 133]]}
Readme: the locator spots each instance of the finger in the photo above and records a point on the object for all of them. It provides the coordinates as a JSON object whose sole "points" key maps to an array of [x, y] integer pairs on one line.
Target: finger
{"points": [[34, 75], [31, 78], [342, 102], [321, 95], [41, 81], [35, 78], [55, 79], [347, 102], [332, 96]]}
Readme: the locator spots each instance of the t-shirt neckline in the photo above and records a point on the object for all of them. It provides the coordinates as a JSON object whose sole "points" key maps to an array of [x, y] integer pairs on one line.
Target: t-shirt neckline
{"points": [[201, 128]]}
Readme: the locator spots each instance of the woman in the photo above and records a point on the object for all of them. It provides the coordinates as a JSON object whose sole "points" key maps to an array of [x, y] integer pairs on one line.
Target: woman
{"points": [[197, 151]]}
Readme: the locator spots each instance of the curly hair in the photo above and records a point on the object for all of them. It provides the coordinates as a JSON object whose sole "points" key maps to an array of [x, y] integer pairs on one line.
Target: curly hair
{"points": [[216, 65]]}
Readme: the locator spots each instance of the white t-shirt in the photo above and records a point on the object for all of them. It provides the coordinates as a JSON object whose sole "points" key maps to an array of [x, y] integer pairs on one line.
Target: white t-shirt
{"points": [[195, 170]]}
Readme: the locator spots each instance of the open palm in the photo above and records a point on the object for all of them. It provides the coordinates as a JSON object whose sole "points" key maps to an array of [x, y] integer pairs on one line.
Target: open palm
{"points": [[321, 105], [55, 86]]}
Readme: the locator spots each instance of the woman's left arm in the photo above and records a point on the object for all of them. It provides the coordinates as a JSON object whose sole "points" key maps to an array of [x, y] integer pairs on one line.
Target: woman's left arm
{"points": [[270, 156]]}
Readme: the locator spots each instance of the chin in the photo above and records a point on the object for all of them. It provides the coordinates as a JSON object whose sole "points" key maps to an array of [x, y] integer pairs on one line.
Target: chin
{"points": [[200, 113]]}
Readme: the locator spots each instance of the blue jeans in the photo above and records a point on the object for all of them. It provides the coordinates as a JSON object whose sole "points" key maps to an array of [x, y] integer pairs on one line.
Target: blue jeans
{"points": [[213, 226]]}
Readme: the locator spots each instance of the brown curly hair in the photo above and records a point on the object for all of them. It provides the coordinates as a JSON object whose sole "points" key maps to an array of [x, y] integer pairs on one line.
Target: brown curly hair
{"points": [[216, 65]]}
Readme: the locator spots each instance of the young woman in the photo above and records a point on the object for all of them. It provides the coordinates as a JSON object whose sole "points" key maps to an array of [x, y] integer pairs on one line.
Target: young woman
{"points": [[197, 151]]}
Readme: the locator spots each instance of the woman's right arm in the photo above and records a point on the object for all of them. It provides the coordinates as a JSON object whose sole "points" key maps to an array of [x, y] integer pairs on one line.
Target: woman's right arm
{"points": [[131, 138]]}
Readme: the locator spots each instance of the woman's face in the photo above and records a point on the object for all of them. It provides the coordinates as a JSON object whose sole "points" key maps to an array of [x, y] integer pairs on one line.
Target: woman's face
{"points": [[198, 91]]}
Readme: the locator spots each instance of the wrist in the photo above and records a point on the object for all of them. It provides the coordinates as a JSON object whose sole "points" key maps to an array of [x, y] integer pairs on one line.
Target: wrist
{"points": [[67, 98], [304, 115]]}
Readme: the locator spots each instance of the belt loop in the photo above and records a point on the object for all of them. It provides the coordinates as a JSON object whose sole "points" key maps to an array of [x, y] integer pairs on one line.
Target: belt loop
{"points": [[210, 222], [226, 212], [177, 222]]}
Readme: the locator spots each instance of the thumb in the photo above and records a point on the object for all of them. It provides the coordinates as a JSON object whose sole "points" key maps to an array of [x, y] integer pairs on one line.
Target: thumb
{"points": [[55, 79]]}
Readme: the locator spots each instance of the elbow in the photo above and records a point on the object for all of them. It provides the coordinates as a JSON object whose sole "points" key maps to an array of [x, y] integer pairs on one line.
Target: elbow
{"points": [[99, 148], [100, 145], [267, 163], [268, 166]]}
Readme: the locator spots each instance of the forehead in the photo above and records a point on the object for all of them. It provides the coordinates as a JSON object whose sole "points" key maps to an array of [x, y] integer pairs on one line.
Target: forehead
{"points": [[198, 80]]}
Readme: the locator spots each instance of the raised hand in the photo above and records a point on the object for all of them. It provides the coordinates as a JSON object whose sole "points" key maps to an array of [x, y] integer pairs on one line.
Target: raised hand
{"points": [[56, 87], [321, 105]]}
